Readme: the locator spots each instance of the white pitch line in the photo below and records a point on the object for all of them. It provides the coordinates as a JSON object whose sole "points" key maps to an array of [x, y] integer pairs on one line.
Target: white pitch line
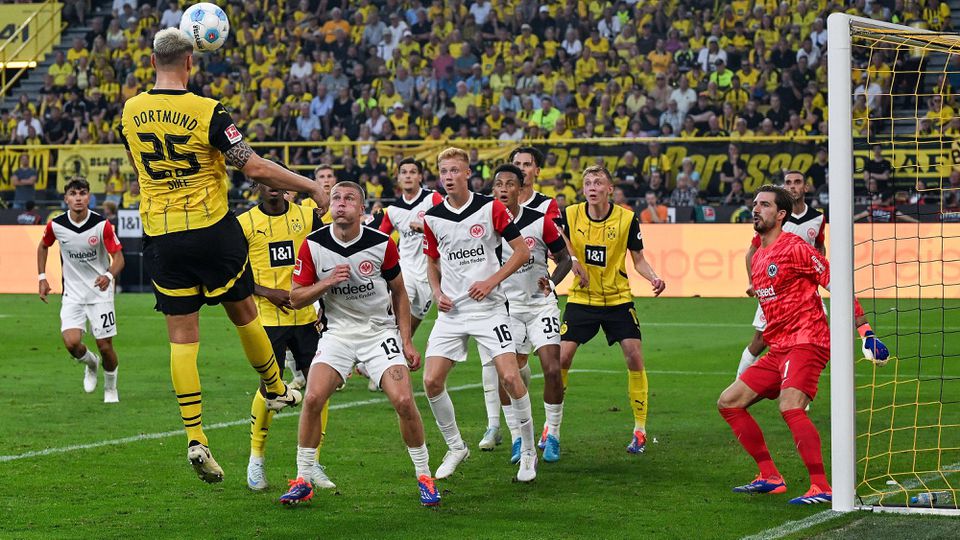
{"points": [[221, 425]]}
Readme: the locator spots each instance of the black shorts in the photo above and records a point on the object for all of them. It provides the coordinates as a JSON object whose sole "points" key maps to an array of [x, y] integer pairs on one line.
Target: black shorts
{"points": [[581, 323], [201, 266], [301, 340]]}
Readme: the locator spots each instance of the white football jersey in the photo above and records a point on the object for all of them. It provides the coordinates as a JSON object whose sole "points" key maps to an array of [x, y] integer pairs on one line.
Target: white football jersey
{"points": [[467, 241], [361, 305], [543, 204], [809, 226], [398, 216], [84, 253], [521, 287]]}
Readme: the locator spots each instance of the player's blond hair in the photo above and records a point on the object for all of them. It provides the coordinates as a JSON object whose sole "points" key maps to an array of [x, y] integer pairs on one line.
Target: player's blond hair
{"points": [[454, 153], [597, 169], [170, 45]]}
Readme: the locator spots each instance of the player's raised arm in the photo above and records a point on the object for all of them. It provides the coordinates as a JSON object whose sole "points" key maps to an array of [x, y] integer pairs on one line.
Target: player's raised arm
{"points": [[266, 172], [503, 223]]}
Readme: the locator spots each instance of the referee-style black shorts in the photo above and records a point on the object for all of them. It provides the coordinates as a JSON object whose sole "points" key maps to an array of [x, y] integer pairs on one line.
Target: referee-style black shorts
{"points": [[581, 323], [301, 340], [200, 266]]}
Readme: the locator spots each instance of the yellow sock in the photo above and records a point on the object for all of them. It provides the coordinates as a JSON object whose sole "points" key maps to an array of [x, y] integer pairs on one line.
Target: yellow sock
{"points": [[260, 420], [323, 422], [259, 352], [186, 384], [564, 376], [637, 390]]}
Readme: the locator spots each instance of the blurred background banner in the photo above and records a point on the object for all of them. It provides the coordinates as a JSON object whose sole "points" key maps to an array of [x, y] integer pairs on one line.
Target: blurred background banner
{"points": [[704, 260]]}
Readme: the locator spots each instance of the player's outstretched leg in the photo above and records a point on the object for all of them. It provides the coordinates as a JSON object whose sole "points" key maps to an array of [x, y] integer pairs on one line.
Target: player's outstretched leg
{"points": [[395, 383], [434, 384], [512, 382], [552, 401], [733, 404], [260, 354], [807, 439], [638, 393], [491, 400], [110, 364], [186, 385], [260, 420], [73, 341], [321, 384]]}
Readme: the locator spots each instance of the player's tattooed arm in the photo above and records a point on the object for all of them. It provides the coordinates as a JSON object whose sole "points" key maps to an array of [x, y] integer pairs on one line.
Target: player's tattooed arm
{"points": [[239, 155]]}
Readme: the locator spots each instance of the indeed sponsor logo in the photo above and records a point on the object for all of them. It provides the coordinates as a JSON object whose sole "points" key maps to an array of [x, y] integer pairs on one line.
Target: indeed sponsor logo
{"points": [[347, 290], [82, 255], [766, 293], [462, 254]]}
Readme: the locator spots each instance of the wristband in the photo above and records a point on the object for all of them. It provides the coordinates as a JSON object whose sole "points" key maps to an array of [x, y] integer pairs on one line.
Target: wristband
{"points": [[42, 276], [108, 275]]}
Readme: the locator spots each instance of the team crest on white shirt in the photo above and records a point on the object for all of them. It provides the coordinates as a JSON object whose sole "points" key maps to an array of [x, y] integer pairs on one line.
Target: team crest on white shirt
{"points": [[477, 230], [93, 240], [365, 268]]}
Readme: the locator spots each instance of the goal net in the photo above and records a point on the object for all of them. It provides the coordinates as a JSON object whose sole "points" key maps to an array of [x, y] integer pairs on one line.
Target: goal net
{"points": [[895, 171]]}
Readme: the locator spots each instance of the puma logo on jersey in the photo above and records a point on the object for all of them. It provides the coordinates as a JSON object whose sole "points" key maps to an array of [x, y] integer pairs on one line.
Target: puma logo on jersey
{"points": [[261, 232]]}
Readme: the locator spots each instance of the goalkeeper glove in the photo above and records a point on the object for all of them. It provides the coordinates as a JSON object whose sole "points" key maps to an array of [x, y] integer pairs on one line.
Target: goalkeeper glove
{"points": [[874, 350]]}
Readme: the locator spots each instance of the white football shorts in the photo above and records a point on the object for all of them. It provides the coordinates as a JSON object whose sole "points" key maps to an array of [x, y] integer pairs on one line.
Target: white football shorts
{"points": [[377, 353], [420, 295], [101, 316], [491, 330], [534, 329]]}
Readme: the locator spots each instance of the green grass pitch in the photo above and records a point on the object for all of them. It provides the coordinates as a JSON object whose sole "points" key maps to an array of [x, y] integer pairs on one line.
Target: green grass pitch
{"points": [[58, 479]]}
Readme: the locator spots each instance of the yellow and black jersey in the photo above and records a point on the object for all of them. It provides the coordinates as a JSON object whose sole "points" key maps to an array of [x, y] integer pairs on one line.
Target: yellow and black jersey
{"points": [[274, 241], [601, 245], [177, 140], [327, 218]]}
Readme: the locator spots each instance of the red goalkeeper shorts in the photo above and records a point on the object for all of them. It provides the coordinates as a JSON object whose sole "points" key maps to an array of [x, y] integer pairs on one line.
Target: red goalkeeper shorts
{"points": [[797, 367]]}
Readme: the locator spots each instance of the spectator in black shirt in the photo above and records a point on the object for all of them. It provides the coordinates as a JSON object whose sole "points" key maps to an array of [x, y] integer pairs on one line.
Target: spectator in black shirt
{"points": [[451, 120], [542, 21], [646, 41], [733, 170], [878, 168], [750, 114], [56, 129], [777, 113], [818, 171], [782, 57], [373, 168], [350, 172]]}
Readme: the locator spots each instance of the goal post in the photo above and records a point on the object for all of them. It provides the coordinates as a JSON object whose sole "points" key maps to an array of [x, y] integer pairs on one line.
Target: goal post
{"points": [[895, 430]]}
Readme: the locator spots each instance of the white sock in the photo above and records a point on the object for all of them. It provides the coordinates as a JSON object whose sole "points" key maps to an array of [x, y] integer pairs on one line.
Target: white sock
{"points": [[554, 412], [110, 379], [512, 423], [446, 418], [306, 459], [491, 395], [746, 360], [524, 415], [421, 459], [526, 374], [88, 358]]}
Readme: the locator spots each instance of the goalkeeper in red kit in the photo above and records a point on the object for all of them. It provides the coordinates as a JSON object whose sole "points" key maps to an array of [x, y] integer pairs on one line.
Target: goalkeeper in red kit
{"points": [[787, 273]]}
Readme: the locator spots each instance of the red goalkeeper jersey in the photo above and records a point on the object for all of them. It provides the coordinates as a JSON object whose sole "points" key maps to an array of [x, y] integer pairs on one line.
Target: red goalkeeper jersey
{"points": [[786, 277]]}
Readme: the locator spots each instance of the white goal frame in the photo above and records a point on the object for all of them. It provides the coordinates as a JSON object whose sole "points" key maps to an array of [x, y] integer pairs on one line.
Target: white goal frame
{"points": [[840, 146]]}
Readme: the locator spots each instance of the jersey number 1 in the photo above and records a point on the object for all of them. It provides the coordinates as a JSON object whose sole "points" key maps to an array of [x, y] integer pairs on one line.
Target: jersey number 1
{"points": [[170, 141]]}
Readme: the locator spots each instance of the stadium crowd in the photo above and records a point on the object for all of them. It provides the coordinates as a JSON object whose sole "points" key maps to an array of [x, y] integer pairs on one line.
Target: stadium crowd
{"points": [[332, 71]]}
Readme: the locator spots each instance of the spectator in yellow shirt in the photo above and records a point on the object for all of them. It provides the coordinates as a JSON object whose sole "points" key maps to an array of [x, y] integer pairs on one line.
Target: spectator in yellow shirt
{"points": [[336, 22]]}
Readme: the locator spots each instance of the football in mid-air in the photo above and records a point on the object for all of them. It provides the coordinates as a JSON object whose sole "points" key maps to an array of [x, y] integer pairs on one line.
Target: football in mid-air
{"points": [[206, 25]]}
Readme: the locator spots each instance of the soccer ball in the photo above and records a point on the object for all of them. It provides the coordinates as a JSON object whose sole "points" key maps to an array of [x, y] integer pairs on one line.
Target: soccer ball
{"points": [[206, 25]]}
